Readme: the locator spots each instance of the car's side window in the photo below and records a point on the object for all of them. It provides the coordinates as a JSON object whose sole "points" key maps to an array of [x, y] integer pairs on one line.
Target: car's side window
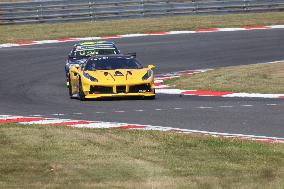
{"points": [[73, 51]]}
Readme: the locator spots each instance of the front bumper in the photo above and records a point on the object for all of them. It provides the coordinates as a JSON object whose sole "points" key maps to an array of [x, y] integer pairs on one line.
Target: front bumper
{"points": [[128, 89], [120, 95]]}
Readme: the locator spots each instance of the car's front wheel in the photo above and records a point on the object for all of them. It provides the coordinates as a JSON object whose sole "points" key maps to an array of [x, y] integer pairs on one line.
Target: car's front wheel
{"points": [[70, 89], [81, 92], [150, 97]]}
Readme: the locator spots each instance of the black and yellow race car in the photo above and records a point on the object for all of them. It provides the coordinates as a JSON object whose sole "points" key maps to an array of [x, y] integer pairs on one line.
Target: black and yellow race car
{"points": [[111, 76]]}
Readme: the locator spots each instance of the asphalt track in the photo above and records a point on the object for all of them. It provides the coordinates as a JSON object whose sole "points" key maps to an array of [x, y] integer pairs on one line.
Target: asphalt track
{"points": [[32, 82]]}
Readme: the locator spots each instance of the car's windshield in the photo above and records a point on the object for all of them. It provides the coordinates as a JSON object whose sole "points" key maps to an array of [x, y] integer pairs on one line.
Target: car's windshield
{"points": [[93, 52], [112, 64]]}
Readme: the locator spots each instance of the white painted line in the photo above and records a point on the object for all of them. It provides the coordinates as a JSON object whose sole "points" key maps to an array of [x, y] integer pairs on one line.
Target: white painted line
{"points": [[57, 114], [139, 35], [231, 29], [100, 112], [9, 45], [88, 38], [178, 108], [161, 86], [225, 106], [272, 104], [169, 91], [133, 35], [139, 110], [5, 116], [164, 89], [13, 117], [247, 105], [46, 121], [273, 62], [158, 81], [180, 32], [253, 95], [158, 128], [46, 41], [98, 124], [277, 26], [204, 107], [120, 111]]}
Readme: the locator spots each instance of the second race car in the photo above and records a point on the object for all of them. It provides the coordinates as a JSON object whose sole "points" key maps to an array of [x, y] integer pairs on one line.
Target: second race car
{"points": [[83, 50]]}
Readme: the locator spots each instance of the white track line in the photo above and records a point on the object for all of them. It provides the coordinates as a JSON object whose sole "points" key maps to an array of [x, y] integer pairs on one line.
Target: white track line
{"points": [[208, 30], [165, 89], [101, 124]]}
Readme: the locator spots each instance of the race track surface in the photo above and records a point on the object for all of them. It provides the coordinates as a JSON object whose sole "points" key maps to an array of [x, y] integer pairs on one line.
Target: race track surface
{"points": [[32, 82]]}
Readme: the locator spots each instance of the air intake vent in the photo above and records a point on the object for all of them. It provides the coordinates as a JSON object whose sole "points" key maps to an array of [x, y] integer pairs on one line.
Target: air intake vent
{"points": [[118, 73], [121, 89]]}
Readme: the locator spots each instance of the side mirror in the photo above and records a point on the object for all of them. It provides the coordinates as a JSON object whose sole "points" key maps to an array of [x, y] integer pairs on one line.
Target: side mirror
{"points": [[70, 56], [74, 69], [151, 67]]}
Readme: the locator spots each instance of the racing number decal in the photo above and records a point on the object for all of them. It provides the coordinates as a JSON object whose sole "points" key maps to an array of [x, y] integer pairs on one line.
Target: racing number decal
{"points": [[87, 53]]}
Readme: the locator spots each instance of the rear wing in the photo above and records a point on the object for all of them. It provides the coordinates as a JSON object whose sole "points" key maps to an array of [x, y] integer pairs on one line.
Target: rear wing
{"points": [[132, 54]]}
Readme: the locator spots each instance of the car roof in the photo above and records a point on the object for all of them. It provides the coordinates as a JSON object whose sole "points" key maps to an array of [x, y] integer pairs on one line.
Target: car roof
{"points": [[96, 44], [114, 56]]}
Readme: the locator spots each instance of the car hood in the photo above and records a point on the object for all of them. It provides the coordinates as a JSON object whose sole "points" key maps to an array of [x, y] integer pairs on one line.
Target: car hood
{"points": [[119, 75]]}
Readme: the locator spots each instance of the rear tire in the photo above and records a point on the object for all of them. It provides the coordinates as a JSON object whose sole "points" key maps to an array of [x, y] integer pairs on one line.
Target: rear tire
{"points": [[81, 92]]}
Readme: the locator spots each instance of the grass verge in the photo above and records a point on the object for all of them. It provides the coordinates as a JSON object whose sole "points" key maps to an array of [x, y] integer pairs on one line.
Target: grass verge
{"points": [[16, 33], [255, 78], [61, 157]]}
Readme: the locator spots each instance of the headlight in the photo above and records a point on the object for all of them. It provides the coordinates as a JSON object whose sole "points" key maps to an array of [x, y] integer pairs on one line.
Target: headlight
{"points": [[147, 75], [90, 77]]}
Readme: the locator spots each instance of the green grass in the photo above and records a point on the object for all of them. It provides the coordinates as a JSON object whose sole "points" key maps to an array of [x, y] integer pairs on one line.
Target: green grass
{"points": [[16, 33], [256, 78], [61, 157]]}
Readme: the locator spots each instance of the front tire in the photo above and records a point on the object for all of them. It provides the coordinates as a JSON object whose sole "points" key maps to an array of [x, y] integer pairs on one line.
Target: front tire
{"points": [[150, 97], [81, 92], [70, 89]]}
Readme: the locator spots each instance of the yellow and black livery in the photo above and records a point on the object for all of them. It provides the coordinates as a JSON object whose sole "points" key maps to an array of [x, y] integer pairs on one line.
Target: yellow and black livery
{"points": [[111, 76]]}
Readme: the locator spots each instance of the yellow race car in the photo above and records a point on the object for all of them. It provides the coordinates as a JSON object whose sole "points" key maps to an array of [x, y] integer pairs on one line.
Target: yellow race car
{"points": [[111, 76]]}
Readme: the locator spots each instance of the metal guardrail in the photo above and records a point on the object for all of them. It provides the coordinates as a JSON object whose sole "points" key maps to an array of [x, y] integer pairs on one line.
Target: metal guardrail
{"points": [[77, 10]]}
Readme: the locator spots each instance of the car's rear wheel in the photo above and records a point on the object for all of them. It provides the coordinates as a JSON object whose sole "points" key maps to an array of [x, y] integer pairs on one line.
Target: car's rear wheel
{"points": [[81, 92]]}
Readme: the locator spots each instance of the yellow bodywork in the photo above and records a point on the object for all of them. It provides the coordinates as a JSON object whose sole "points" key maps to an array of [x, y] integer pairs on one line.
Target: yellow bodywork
{"points": [[126, 84]]}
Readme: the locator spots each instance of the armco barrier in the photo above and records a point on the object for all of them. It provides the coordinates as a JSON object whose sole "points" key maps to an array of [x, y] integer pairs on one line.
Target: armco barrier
{"points": [[76, 10]]}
